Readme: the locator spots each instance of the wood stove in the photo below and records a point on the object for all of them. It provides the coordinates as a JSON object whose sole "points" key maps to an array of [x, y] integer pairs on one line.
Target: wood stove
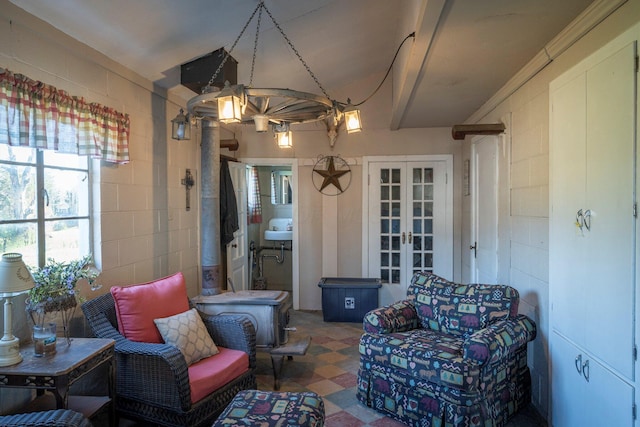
{"points": [[267, 310]]}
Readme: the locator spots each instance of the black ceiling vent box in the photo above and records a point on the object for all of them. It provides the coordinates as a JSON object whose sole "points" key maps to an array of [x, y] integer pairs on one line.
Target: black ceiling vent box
{"points": [[196, 74]]}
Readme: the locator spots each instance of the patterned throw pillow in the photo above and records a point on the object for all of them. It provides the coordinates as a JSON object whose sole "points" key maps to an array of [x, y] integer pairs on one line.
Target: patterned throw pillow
{"points": [[187, 332]]}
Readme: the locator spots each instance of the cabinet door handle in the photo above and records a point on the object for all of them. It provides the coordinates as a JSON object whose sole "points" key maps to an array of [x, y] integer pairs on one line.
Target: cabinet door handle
{"points": [[585, 370], [579, 219], [404, 237], [578, 363], [587, 219], [409, 237]]}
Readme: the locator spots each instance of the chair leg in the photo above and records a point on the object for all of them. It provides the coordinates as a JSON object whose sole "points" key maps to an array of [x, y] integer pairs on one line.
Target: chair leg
{"points": [[277, 362]]}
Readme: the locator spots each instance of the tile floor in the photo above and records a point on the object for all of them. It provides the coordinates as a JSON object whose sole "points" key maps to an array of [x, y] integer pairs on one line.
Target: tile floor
{"points": [[329, 368]]}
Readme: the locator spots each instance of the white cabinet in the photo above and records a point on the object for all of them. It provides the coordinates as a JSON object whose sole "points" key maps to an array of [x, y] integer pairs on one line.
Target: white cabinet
{"points": [[588, 394], [592, 238]]}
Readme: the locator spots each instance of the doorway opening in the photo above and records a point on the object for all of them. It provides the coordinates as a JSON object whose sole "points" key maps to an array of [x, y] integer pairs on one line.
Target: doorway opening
{"points": [[270, 241], [272, 256]]}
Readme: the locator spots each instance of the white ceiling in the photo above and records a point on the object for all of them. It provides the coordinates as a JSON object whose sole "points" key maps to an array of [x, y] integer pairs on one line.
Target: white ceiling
{"points": [[475, 45]]}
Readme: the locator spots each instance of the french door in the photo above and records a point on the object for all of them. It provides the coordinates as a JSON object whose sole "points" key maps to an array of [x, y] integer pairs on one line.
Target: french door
{"points": [[409, 223]]}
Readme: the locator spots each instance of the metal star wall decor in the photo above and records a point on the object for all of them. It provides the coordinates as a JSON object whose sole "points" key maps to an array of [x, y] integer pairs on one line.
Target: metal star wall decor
{"points": [[331, 171]]}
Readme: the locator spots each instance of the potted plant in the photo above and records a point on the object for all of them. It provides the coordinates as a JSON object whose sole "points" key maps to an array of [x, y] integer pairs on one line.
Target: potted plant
{"points": [[56, 291]]}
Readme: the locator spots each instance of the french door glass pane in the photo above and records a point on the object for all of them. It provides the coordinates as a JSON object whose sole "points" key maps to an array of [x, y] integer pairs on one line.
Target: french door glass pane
{"points": [[395, 243], [422, 221], [390, 214], [395, 260], [384, 176], [395, 192], [428, 175], [384, 193], [395, 276]]}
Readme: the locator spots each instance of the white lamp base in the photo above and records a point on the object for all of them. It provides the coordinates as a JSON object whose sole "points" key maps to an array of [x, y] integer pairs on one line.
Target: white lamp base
{"points": [[10, 352]]}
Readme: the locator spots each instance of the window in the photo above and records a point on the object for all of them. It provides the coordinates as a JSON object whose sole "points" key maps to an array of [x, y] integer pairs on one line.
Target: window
{"points": [[45, 204]]}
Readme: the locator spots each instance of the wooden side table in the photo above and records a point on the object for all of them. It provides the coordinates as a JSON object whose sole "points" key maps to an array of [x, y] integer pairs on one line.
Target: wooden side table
{"points": [[57, 372]]}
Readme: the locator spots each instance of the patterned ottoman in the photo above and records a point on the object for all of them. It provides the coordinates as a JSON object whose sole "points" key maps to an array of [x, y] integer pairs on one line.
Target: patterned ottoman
{"points": [[273, 408]]}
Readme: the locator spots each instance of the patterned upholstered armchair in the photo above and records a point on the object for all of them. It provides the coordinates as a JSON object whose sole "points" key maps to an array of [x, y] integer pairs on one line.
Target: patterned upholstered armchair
{"points": [[449, 354]]}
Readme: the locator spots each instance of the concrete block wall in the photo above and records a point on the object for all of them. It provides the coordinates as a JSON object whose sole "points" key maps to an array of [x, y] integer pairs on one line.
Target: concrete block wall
{"points": [[142, 228]]}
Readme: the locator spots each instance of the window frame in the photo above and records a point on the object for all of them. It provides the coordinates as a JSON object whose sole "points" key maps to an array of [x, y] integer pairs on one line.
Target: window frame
{"points": [[41, 196]]}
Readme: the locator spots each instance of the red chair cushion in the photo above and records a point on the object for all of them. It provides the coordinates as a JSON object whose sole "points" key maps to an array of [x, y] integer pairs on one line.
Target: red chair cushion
{"points": [[213, 372], [137, 306]]}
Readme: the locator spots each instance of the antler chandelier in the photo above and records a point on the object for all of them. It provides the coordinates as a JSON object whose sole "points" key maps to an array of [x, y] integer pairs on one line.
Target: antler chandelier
{"points": [[275, 107]]}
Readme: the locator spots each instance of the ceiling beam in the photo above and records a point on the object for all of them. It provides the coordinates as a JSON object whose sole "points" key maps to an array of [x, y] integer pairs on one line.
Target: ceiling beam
{"points": [[426, 26], [230, 144], [461, 131]]}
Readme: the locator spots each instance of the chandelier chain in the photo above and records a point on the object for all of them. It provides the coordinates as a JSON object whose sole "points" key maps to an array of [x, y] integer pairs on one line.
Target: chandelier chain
{"points": [[224, 60], [313, 76], [255, 48]]}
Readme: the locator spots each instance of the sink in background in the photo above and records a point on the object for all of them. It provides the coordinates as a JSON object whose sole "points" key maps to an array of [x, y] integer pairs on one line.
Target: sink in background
{"points": [[279, 229], [278, 235]]}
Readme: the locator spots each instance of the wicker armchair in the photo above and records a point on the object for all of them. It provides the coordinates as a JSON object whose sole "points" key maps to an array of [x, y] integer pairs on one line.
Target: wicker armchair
{"points": [[54, 418], [152, 380]]}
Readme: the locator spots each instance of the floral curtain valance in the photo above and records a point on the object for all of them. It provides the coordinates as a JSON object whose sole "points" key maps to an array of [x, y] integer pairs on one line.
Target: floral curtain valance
{"points": [[35, 114]]}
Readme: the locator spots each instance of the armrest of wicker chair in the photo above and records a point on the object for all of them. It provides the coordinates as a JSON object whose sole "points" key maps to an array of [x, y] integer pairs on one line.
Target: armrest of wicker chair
{"points": [[233, 331], [146, 372], [54, 418]]}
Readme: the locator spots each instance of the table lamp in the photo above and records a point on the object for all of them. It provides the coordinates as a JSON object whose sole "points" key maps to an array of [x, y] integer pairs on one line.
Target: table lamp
{"points": [[15, 279]]}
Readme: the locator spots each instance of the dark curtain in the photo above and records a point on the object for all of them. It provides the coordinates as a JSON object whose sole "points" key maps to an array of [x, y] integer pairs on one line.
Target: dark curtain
{"points": [[228, 206]]}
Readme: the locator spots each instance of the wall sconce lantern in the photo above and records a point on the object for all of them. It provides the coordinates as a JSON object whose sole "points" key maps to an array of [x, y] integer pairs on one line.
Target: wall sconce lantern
{"points": [[181, 127]]}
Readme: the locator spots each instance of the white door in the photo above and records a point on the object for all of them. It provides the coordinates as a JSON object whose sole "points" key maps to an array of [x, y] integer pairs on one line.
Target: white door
{"points": [[609, 205], [409, 218], [484, 246], [237, 259]]}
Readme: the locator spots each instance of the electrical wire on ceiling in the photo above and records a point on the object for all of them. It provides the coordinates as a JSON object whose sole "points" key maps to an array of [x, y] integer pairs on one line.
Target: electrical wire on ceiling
{"points": [[412, 35]]}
